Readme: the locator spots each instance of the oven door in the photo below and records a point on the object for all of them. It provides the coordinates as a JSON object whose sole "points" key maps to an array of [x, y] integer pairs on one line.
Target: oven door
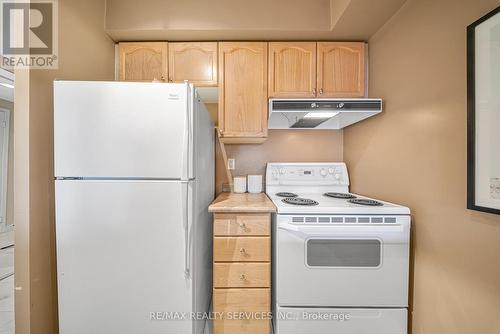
{"points": [[342, 264]]}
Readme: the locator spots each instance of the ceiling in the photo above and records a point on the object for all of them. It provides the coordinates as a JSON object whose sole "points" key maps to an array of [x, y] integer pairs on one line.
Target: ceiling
{"points": [[129, 20]]}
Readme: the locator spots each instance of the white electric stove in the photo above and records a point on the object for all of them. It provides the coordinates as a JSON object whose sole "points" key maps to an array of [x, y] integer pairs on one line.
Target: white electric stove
{"points": [[341, 260]]}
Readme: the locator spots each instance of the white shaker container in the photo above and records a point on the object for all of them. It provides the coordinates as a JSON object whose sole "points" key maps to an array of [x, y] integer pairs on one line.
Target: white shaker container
{"points": [[254, 184], [240, 184]]}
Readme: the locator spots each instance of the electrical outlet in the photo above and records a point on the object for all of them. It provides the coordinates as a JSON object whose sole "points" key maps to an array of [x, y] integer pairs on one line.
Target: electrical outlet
{"points": [[231, 163]]}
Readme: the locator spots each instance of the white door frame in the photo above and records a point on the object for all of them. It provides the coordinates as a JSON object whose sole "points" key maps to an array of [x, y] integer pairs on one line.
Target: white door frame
{"points": [[4, 174]]}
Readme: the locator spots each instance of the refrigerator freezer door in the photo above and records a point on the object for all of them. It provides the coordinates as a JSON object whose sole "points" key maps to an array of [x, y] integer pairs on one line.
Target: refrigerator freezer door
{"points": [[121, 256], [122, 130]]}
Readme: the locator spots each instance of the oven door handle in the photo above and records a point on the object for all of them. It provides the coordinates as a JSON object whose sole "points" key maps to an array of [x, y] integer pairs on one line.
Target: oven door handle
{"points": [[396, 233]]}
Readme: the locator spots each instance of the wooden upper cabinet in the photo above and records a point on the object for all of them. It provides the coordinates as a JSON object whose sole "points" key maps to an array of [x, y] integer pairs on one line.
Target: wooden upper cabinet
{"points": [[143, 61], [243, 91], [292, 69], [341, 69], [195, 62]]}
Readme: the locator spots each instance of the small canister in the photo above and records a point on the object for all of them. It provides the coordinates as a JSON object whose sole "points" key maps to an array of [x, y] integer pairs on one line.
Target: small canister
{"points": [[254, 184], [240, 184]]}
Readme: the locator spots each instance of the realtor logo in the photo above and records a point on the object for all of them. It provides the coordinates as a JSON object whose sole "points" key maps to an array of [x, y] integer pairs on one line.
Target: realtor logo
{"points": [[29, 34]]}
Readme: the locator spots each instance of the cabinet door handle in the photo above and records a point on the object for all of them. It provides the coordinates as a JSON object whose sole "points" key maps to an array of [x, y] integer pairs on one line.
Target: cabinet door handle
{"points": [[314, 92], [321, 91]]}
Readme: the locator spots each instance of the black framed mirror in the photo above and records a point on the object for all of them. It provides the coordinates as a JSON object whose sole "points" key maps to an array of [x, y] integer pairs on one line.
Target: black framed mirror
{"points": [[483, 113]]}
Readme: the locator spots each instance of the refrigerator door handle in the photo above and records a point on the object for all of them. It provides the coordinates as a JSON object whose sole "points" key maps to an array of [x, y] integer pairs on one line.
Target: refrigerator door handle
{"points": [[187, 227], [188, 137]]}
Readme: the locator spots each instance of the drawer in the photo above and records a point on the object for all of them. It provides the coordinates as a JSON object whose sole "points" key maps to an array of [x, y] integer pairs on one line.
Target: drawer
{"points": [[242, 275], [242, 300], [242, 224], [253, 304], [242, 326], [242, 249]]}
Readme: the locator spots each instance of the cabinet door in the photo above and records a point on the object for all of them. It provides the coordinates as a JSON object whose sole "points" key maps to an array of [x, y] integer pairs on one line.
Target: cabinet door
{"points": [[243, 91], [195, 62], [143, 61], [292, 69], [341, 69]]}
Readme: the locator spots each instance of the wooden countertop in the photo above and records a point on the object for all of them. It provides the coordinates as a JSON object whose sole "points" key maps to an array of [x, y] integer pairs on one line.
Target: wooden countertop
{"points": [[233, 202]]}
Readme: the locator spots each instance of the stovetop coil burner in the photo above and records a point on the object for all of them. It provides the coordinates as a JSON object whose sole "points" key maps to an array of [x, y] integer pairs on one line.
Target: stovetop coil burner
{"points": [[299, 201], [340, 195], [366, 202], [286, 194]]}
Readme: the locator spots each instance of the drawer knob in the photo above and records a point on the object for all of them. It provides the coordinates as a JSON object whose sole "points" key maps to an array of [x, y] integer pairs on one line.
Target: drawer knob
{"points": [[242, 251], [243, 226], [243, 277]]}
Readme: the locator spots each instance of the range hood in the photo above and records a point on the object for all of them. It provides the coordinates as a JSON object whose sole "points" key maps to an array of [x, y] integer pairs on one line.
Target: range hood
{"points": [[320, 113]]}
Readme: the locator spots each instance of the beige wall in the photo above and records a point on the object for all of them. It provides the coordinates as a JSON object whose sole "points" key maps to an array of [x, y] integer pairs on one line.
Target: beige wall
{"points": [[218, 15], [10, 168], [415, 154], [281, 146], [85, 53], [247, 20]]}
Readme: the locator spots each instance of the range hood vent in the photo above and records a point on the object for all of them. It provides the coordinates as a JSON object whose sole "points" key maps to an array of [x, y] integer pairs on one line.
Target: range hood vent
{"points": [[320, 113]]}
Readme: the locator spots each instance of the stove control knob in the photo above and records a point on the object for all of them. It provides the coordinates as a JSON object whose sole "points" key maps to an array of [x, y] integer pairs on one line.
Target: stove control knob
{"points": [[337, 176], [323, 172], [282, 171], [331, 170]]}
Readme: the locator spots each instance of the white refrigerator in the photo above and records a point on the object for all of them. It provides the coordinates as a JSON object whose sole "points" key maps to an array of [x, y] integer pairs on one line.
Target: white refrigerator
{"points": [[134, 175]]}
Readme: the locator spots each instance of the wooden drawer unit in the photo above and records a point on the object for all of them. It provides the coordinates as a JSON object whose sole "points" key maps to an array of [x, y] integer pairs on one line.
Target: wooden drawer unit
{"points": [[242, 263], [252, 306], [242, 224], [242, 275], [242, 249]]}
